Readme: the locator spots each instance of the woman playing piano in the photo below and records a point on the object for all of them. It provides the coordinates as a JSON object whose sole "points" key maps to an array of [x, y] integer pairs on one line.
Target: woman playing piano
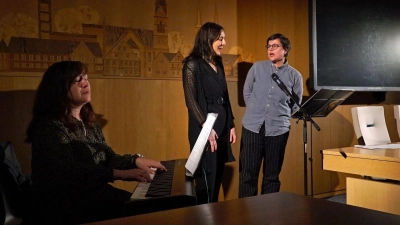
{"points": [[72, 165]]}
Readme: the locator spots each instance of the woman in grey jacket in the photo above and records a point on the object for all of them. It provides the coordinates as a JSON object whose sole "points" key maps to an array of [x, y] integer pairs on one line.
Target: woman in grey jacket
{"points": [[266, 122]]}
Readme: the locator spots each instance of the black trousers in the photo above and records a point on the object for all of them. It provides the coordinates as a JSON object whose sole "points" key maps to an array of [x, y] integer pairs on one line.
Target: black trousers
{"points": [[208, 184], [209, 176], [253, 149]]}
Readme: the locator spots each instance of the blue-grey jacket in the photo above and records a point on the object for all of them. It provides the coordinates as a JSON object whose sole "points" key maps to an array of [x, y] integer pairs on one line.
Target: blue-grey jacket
{"points": [[266, 102]]}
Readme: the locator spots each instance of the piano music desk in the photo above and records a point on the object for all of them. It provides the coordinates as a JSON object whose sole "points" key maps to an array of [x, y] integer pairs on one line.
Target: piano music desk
{"points": [[372, 194]]}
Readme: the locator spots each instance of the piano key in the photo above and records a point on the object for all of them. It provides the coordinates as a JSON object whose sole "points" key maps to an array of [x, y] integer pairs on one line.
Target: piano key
{"points": [[179, 192]]}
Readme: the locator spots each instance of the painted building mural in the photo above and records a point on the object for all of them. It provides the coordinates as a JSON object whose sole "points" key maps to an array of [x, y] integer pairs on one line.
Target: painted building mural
{"points": [[31, 44]]}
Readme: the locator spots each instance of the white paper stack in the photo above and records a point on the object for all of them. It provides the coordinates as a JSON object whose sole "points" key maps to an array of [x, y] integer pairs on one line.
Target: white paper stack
{"points": [[371, 147], [198, 148]]}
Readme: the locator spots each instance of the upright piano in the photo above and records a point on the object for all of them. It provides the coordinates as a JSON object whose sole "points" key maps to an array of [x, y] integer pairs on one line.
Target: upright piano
{"points": [[169, 189]]}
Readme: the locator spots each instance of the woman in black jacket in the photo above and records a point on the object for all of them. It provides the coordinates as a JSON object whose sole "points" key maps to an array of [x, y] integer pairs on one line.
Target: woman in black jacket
{"points": [[206, 92]]}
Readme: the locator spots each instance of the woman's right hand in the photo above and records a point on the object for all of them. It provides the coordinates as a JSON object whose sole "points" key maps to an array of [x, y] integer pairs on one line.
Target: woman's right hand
{"points": [[213, 140], [132, 175]]}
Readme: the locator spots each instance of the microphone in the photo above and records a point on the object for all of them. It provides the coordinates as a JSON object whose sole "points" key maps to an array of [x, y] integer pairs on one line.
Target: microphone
{"points": [[281, 85], [295, 99]]}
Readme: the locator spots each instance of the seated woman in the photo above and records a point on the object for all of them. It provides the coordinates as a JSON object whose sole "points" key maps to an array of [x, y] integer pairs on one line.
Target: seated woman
{"points": [[72, 164]]}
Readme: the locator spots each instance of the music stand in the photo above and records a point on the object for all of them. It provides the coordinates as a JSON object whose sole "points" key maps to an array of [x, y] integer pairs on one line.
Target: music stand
{"points": [[320, 104]]}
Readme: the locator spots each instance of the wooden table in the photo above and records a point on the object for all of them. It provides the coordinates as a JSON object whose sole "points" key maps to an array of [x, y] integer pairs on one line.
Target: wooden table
{"points": [[384, 163], [278, 208], [372, 194]]}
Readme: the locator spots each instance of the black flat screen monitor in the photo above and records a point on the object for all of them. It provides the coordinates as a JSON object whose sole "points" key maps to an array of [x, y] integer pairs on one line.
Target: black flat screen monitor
{"points": [[355, 44]]}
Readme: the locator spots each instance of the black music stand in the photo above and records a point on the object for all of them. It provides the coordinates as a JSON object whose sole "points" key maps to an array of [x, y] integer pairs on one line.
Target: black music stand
{"points": [[320, 104]]}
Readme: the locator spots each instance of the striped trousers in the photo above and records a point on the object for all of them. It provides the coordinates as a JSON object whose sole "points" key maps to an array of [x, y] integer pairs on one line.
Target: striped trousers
{"points": [[254, 148]]}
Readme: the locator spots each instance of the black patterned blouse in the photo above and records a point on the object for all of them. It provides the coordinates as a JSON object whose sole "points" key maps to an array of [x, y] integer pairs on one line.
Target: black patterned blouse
{"points": [[71, 171]]}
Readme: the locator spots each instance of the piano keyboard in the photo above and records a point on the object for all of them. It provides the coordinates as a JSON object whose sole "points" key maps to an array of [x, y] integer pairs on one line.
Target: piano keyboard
{"points": [[169, 189], [160, 186], [141, 190]]}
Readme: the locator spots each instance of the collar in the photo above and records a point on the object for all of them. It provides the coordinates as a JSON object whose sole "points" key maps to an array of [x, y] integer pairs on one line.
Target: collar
{"points": [[285, 64]]}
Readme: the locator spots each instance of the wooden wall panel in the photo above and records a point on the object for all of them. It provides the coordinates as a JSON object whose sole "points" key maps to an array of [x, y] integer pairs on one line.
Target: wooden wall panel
{"points": [[149, 116], [252, 29]]}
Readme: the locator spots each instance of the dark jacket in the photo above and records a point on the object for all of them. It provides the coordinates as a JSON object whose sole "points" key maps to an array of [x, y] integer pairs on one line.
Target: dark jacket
{"points": [[201, 88]]}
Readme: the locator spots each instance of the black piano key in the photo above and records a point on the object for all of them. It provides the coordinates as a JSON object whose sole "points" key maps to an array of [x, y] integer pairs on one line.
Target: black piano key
{"points": [[181, 192], [162, 181]]}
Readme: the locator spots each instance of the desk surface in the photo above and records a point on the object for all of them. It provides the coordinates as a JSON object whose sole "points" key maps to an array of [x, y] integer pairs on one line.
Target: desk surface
{"points": [[278, 208], [384, 163], [392, 155]]}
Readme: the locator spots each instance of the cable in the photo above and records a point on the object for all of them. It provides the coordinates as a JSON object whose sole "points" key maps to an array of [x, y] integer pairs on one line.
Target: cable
{"points": [[205, 178]]}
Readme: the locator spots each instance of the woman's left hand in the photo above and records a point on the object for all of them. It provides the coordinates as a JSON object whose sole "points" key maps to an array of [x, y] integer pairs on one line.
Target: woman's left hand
{"points": [[212, 138], [232, 137], [149, 165]]}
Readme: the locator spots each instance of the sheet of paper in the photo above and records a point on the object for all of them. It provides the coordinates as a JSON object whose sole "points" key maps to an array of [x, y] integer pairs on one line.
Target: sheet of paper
{"points": [[387, 146], [198, 148]]}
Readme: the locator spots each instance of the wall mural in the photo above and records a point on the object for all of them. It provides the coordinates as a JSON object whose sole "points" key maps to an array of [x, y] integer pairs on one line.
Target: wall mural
{"points": [[115, 38]]}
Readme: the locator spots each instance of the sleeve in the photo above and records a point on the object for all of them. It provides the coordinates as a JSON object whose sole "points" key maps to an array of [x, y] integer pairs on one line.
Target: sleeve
{"points": [[190, 91], [297, 90], [248, 84], [119, 162], [232, 117], [59, 158]]}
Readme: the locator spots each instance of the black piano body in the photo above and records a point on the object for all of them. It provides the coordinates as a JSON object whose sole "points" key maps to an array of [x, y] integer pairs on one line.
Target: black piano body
{"points": [[169, 190]]}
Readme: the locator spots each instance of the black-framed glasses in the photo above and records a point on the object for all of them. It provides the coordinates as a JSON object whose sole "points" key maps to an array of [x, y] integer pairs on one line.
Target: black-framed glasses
{"points": [[272, 47]]}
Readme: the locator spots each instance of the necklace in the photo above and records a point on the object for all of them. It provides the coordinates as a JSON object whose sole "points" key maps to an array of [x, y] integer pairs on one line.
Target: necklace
{"points": [[209, 60], [84, 129], [83, 126], [212, 64]]}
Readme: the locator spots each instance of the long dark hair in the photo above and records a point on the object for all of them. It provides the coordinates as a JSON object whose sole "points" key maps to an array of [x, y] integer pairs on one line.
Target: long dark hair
{"points": [[51, 98], [206, 36]]}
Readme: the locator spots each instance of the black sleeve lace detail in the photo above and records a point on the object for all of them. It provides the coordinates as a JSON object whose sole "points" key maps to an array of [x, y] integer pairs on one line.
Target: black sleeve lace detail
{"points": [[191, 78]]}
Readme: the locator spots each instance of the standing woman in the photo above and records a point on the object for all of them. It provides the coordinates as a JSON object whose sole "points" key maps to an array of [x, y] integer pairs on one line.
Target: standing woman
{"points": [[266, 122], [206, 92], [72, 165]]}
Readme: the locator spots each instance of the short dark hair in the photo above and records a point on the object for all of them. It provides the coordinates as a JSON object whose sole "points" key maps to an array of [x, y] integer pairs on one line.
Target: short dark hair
{"points": [[284, 41], [51, 98]]}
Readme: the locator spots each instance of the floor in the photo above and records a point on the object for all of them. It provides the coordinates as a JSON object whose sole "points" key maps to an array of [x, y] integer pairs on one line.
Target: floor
{"points": [[338, 198]]}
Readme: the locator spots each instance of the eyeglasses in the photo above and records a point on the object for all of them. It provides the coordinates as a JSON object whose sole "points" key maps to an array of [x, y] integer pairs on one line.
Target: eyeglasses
{"points": [[81, 77], [273, 47]]}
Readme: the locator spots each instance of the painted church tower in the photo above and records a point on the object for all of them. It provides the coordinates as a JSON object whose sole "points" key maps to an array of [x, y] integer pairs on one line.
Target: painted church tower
{"points": [[44, 11], [161, 26]]}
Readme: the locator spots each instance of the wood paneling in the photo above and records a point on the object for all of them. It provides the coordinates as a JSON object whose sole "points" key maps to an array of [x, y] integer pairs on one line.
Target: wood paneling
{"points": [[376, 195], [149, 116]]}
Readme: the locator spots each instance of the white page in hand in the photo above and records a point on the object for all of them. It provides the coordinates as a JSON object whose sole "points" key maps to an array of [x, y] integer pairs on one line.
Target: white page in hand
{"points": [[198, 148]]}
